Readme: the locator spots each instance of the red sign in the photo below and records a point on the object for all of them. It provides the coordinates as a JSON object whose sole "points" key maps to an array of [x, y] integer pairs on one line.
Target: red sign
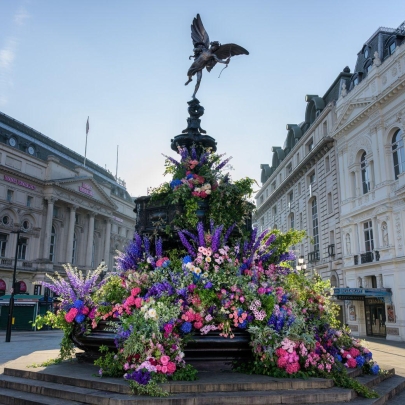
{"points": [[19, 182], [23, 287], [86, 189], [2, 285]]}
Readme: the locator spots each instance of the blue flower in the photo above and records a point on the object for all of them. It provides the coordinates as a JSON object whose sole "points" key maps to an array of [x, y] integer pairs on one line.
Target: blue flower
{"points": [[189, 176], [186, 327], [79, 304], [360, 361], [208, 285], [166, 263], [187, 259], [375, 369], [338, 357], [175, 183], [80, 318]]}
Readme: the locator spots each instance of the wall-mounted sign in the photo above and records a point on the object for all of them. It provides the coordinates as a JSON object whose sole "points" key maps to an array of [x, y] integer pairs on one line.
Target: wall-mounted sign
{"points": [[19, 182], [37, 289], [86, 189], [3, 285], [118, 219], [23, 287]]}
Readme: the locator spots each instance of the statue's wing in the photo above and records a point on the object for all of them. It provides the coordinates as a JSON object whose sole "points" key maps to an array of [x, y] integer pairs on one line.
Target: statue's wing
{"points": [[198, 33], [225, 51]]}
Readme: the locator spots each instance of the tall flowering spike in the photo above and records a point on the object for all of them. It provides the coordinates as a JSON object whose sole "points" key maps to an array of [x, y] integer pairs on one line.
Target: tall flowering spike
{"points": [[183, 153], [216, 238], [266, 256], [193, 153], [271, 239], [201, 238], [129, 259], [259, 239], [146, 244], [174, 161], [138, 243], [245, 247], [228, 232], [193, 237], [159, 247], [223, 164], [186, 244], [203, 158], [252, 239]]}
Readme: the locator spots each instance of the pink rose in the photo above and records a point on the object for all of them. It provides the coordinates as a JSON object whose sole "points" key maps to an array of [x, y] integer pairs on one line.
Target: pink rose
{"points": [[164, 360], [85, 310], [171, 367], [164, 369], [138, 302], [71, 315], [198, 325]]}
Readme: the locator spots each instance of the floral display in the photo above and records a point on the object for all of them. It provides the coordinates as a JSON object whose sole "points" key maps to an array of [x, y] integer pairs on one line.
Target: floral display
{"points": [[216, 283]]}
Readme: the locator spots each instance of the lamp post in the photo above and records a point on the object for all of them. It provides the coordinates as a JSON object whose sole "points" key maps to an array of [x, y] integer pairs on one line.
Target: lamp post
{"points": [[301, 265], [11, 304]]}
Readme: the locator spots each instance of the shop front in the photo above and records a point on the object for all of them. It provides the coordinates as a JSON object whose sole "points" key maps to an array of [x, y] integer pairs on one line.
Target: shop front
{"points": [[375, 302]]}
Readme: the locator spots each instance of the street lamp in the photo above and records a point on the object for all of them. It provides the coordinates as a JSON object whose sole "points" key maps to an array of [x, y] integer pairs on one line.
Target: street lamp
{"points": [[11, 304], [301, 265]]}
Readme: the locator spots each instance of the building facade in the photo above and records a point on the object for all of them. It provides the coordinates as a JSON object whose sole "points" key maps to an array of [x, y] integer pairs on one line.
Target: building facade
{"points": [[369, 136], [300, 188], [67, 212]]}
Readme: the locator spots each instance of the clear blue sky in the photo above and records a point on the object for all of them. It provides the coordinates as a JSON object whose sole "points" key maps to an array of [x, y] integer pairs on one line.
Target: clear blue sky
{"points": [[124, 64]]}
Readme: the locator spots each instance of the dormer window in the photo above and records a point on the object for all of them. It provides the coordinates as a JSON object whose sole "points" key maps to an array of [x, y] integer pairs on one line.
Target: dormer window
{"points": [[392, 46], [366, 52], [368, 66]]}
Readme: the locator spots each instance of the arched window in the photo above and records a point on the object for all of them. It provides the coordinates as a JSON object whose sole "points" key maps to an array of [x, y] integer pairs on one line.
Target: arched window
{"points": [[315, 229], [292, 222], [398, 153], [52, 247], [74, 249], [333, 281], [365, 173]]}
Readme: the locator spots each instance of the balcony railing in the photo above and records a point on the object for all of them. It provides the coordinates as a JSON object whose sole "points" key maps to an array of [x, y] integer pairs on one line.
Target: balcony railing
{"points": [[6, 262], [313, 256], [331, 250], [367, 257]]}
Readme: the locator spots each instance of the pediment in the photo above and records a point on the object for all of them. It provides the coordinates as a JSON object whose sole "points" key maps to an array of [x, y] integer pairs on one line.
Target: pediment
{"points": [[86, 188], [353, 111]]}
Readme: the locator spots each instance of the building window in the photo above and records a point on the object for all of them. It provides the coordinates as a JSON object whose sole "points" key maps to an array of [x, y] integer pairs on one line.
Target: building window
{"points": [[310, 145], [398, 153], [327, 164], [368, 66], [299, 188], [55, 212], [52, 247], [368, 236], [292, 223], [392, 46], [29, 200], [365, 173], [22, 249], [325, 128], [273, 186], [262, 224], [366, 52], [74, 249], [26, 225], [330, 206], [260, 201], [3, 244], [288, 169], [10, 195], [315, 229], [274, 210], [5, 220], [77, 219], [298, 158], [290, 199]]}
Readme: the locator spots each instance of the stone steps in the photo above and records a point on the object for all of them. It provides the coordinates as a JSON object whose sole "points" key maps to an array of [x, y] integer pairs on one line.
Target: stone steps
{"points": [[72, 384]]}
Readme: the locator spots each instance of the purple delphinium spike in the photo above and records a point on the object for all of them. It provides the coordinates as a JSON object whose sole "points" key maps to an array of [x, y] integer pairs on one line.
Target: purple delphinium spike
{"points": [[190, 235], [138, 242], [203, 158], [252, 239], [201, 236], [266, 256], [259, 239], [159, 247], [146, 245], [228, 233], [216, 239], [224, 163], [183, 153], [271, 239], [193, 153], [186, 244], [245, 247], [174, 161]]}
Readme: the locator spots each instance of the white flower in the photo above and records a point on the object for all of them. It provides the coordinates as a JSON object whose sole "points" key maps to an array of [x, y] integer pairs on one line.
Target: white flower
{"points": [[207, 191], [197, 270], [152, 313]]}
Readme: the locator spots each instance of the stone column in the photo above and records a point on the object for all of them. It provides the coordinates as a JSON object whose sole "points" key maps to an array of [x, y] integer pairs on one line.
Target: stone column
{"points": [[48, 227], [90, 238], [376, 234], [107, 242], [71, 231]]}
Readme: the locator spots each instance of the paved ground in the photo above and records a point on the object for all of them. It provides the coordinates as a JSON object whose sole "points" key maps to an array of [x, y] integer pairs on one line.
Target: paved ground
{"points": [[36, 347]]}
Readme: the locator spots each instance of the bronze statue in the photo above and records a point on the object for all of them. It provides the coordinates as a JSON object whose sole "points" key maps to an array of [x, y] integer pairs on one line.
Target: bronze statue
{"points": [[207, 54]]}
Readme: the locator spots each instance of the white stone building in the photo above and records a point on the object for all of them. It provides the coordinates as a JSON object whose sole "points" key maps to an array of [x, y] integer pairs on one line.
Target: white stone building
{"points": [[68, 212], [369, 133], [300, 188]]}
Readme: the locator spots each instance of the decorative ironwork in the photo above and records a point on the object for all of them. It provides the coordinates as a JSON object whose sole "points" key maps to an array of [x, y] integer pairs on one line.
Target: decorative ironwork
{"points": [[331, 250], [367, 257], [313, 256], [356, 259]]}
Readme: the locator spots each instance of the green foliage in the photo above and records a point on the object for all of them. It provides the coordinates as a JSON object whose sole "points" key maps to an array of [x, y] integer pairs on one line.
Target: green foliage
{"points": [[187, 373], [110, 363], [152, 389], [109, 294]]}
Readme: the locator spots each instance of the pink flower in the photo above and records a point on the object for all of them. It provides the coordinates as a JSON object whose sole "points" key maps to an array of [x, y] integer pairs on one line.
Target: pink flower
{"points": [[198, 325], [351, 363], [261, 290], [164, 360], [164, 369], [85, 310], [135, 291], [171, 367], [71, 315], [160, 262], [138, 302], [292, 368]]}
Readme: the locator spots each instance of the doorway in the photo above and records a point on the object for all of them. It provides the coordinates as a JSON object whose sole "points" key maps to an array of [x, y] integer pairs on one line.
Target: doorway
{"points": [[375, 317]]}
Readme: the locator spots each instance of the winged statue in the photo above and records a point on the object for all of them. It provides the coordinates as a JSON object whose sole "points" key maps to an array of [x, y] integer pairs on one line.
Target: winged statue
{"points": [[207, 54]]}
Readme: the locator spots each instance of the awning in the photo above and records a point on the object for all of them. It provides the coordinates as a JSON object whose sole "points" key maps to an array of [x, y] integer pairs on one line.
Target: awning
{"points": [[359, 294]]}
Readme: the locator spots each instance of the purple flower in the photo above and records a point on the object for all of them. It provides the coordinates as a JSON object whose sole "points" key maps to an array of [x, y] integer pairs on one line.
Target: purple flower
{"points": [[288, 256], [208, 285], [228, 232], [224, 163], [183, 153], [186, 244], [175, 162], [216, 238], [271, 239], [142, 377], [193, 153], [186, 327], [79, 304], [159, 247], [201, 238]]}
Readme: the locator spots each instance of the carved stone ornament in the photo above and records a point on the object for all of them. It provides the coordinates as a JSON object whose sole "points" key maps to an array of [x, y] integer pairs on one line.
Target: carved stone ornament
{"points": [[343, 92], [377, 60]]}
